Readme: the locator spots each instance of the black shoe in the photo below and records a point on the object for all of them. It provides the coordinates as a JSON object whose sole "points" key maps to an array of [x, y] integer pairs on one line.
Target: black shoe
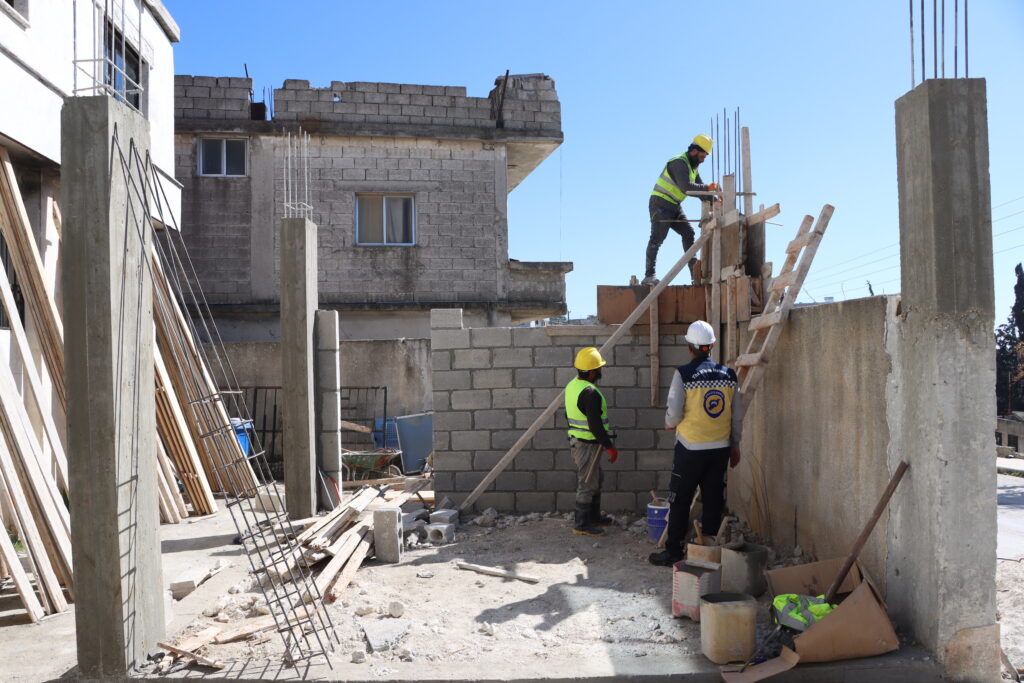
{"points": [[596, 518], [583, 527], [666, 558]]}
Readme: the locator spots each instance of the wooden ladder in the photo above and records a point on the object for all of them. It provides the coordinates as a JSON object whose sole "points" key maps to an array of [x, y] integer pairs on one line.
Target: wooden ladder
{"points": [[767, 327]]}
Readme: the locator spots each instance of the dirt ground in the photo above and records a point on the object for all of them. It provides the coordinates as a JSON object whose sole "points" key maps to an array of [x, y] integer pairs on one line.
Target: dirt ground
{"points": [[1010, 609], [596, 597]]}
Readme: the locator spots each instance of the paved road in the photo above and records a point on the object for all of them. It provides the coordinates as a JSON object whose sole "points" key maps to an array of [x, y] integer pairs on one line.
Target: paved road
{"points": [[1010, 540]]}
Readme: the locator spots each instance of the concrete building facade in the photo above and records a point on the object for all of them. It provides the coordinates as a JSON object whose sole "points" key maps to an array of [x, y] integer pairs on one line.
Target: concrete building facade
{"points": [[408, 185]]}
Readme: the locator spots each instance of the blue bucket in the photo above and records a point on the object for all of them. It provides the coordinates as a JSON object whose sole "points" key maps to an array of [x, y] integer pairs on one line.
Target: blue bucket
{"points": [[657, 518]]}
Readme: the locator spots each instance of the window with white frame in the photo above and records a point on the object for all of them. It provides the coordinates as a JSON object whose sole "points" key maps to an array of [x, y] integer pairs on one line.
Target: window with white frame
{"points": [[222, 157], [385, 219]]}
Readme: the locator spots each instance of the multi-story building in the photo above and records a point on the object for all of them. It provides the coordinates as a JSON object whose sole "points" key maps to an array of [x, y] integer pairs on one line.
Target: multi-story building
{"points": [[408, 186]]}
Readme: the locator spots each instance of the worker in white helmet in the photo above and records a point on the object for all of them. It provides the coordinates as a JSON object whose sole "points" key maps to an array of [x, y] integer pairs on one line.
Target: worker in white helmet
{"points": [[706, 411]]}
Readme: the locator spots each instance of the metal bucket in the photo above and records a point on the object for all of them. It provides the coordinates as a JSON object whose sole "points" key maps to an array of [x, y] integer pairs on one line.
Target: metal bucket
{"points": [[690, 580], [728, 627], [709, 551], [743, 569]]}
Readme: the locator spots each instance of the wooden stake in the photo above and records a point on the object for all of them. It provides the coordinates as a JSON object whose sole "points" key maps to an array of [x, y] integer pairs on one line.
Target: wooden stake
{"points": [[495, 571], [655, 360]]}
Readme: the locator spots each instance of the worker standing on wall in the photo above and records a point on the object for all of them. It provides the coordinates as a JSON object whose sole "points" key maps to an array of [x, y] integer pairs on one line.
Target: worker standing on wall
{"points": [[666, 204], [589, 431], [706, 411]]}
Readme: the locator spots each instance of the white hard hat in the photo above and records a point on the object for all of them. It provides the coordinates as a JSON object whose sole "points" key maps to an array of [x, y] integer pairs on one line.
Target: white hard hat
{"points": [[700, 334]]}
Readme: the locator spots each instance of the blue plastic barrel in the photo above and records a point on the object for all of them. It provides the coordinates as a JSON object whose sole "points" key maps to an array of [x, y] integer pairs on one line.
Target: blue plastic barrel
{"points": [[241, 428], [657, 518]]}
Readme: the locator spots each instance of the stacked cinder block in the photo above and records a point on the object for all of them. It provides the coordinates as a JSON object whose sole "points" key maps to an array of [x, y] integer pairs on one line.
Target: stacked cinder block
{"points": [[490, 384], [206, 97], [531, 103]]}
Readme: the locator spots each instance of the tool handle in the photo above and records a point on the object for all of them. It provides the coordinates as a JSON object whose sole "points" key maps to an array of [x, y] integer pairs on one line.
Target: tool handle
{"points": [[700, 536]]}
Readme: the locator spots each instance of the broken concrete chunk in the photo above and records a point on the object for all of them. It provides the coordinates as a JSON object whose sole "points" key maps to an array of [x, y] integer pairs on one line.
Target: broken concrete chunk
{"points": [[223, 603], [387, 534], [440, 533], [358, 657], [396, 608], [446, 504], [384, 634], [363, 610], [487, 628], [444, 517], [424, 574]]}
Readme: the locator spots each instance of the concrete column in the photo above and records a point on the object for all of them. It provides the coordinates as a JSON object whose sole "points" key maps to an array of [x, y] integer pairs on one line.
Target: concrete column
{"points": [[942, 528], [108, 341], [328, 391], [298, 307], [261, 232]]}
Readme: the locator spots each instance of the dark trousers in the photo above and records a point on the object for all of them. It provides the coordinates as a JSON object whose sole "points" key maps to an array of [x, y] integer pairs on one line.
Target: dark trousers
{"points": [[665, 216], [691, 469]]}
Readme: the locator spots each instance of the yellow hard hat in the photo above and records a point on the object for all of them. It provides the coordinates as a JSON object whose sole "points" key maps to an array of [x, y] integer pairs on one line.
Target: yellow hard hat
{"points": [[704, 142], [588, 359]]}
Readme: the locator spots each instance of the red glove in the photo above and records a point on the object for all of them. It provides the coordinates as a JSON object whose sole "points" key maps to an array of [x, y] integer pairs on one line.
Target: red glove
{"points": [[712, 187], [613, 454]]}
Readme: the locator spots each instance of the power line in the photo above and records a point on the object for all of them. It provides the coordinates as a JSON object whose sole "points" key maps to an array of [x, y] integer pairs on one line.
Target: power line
{"points": [[1015, 199], [1015, 213]]}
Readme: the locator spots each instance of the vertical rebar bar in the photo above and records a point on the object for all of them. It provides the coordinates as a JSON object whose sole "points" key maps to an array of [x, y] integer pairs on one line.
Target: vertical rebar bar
{"points": [[956, 36], [943, 38], [935, 42], [924, 70], [913, 72], [967, 43]]}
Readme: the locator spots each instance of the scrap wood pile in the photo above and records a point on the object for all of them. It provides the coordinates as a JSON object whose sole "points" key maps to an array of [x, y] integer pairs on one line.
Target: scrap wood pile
{"points": [[35, 551]]}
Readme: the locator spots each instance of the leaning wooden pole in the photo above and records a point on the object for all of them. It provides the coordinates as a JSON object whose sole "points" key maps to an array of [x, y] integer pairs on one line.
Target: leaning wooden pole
{"points": [[626, 325]]}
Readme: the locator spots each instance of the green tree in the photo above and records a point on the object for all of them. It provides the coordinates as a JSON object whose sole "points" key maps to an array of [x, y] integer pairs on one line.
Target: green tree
{"points": [[1010, 353]]}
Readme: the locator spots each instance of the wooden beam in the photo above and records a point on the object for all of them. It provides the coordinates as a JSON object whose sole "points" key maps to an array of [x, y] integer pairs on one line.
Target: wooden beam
{"points": [[765, 320], [495, 571], [655, 361], [353, 427]]}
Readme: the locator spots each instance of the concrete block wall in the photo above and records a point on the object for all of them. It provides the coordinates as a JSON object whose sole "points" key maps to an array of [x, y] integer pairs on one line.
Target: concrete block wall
{"points": [[490, 384], [206, 97], [531, 103]]}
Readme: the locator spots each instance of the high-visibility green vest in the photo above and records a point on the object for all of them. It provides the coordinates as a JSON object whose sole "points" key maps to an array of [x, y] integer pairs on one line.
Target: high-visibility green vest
{"points": [[578, 425], [666, 188], [800, 612]]}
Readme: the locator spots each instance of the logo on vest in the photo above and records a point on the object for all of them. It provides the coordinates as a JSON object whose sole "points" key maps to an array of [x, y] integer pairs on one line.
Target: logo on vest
{"points": [[714, 403]]}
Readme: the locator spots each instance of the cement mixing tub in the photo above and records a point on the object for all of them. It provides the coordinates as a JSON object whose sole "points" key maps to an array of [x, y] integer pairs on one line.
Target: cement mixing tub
{"points": [[743, 569]]}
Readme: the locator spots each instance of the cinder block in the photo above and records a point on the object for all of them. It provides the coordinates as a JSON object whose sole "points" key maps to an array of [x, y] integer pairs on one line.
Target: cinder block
{"points": [[511, 398], [534, 377], [471, 441], [387, 534], [636, 481], [467, 481], [492, 419], [487, 336], [484, 461], [451, 380], [542, 397], [526, 417], [473, 399], [441, 360], [492, 379], [440, 533], [551, 438], [448, 339], [452, 461], [622, 418], [621, 501], [444, 517], [505, 439], [625, 462], [535, 501], [648, 418], [617, 376], [516, 481], [553, 356], [442, 440], [444, 482], [557, 480], [666, 440], [502, 501], [453, 421], [565, 501], [295, 84], [654, 460], [540, 462], [471, 359]]}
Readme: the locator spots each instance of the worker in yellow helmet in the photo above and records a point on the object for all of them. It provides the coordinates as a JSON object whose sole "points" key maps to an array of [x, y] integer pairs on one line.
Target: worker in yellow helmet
{"points": [[666, 204], [586, 411]]}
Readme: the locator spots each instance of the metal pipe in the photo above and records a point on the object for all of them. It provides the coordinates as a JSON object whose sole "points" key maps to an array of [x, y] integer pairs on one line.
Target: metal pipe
{"points": [[956, 35], [943, 38], [912, 70], [967, 43], [924, 74], [935, 43]]}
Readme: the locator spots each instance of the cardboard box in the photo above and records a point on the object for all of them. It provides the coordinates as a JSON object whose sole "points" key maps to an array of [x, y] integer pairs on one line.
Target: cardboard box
{"points": [[858, 627]]}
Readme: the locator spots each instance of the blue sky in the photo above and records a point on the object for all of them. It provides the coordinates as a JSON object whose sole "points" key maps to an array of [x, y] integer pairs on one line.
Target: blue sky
{"points": [[814, 80]]}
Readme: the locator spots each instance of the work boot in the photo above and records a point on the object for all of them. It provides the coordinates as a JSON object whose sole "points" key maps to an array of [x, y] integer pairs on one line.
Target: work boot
{"points": [[583, 526], [666, 558], [596, 518], [650, 281]]}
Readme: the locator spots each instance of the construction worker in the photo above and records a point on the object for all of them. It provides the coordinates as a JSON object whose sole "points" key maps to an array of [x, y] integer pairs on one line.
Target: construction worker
{"points": [[666, 204], [706, 411], [586, 411]]}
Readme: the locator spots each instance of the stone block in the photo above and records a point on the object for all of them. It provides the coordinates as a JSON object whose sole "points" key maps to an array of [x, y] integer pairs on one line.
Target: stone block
{"points": [[452, 461], [534, 377], [387, 534], [542, 397], [535, 501], [636, 481], [449, 339], [616, 376], [295, 84], [442, 401], [492, 419], [484, 461], [492, 379], [516, 481], [666, 440], [533, 461], [632, 398], [565, 501], [467, 481], [635, 439], [442, 440], [513, 358], [530, 336], [471, 358], [654, 460], [444, 517], [553, 356], [441, 360], [622, 418], [511, 398], [565, 375], [444, 482], [472, 399], [470, 441], [503, 501], [625, 462], [453, 421], [491, 336], [505, 439], [621, 501], [451, 380]]}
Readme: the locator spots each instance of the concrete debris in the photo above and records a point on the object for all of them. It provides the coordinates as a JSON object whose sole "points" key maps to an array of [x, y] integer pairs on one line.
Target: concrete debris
{"points": [[424, 574], [260, 608], [223, 603], [363, 610], [487, 628], [440, 533], [384, 634], [396, 608], [488, 518], [405, 654], [446, 504], [444, 517], [358, 657]]}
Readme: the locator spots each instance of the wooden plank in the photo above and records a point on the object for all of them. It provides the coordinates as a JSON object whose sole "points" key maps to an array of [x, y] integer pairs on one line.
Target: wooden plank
{"points": [[750, 359], [707, 230], [495, 571], [198, 640], [345, 547], [168, 469], [355, 560], [245, 630], [716, 293], [22, 583], [199, 659], [799, 243], [765, 320], [655, 361], [731, 350], [353, 427], [17, 233], [782, 281]]}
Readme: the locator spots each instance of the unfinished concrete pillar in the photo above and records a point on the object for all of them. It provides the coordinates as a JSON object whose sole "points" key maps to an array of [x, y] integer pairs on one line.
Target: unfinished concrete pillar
{"points": [[108, 342], [942, 525], [328, 391], [298, 308]]}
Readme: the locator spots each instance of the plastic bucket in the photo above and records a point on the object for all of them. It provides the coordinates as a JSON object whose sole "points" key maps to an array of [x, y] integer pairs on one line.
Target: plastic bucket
{"points": [[692, 579], [728, 627], [657, 518], [743, 569]]}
